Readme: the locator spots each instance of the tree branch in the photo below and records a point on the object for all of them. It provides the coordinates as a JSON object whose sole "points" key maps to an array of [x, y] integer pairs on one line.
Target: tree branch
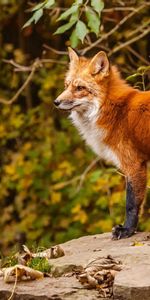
{"points": [[123, 45], [29, 78], [83, 175], [145, 61], [106, 35], [54, 50]]}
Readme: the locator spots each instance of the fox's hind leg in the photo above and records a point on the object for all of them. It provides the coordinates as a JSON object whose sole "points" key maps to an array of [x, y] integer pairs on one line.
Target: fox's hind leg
{"points": [[135, 192]]}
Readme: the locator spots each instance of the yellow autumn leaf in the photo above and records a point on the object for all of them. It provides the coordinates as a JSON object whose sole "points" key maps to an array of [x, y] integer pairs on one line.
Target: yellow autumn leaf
{"points": [[76, 209], [49, 82], [14, 81], [56, 175], [59, 186], [100, 185], [28, 167], [26, 146], [10, 169], [17, 121], [116, 198], [79, 153], [79, 214], [136, 243], [19, 56], [55, 197], [2, 131], [64, 223], [66, 167], [81, 217], [8, 47], [103, 225], [26, 182]]}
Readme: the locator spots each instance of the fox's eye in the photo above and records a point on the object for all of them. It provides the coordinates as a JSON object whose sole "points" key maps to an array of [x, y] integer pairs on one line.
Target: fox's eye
{"points": [[80, 88]]}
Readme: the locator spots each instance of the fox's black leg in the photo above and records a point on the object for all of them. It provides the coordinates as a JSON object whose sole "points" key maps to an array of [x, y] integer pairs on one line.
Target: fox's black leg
{"points": [[135, 190], [132, 211]]}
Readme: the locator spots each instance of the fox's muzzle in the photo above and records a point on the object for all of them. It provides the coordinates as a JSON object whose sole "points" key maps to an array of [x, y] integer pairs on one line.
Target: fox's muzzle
{"points": [[57, 102], [64, 104]]}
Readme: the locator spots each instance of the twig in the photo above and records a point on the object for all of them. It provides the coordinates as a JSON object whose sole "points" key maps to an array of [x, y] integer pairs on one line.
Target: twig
{"points": [[119, 9], [105, 36], [138, 37], [145, 61], [14, 287], [83, 175], [55, 50], [22, 68], [56, 61], [66, 183], [140, 28], [17, 66], [79, 178], [120, 173], [15, 97]]}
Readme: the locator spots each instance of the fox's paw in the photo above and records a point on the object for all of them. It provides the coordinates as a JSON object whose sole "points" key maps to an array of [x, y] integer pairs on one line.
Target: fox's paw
{"points": [[121, 232]]}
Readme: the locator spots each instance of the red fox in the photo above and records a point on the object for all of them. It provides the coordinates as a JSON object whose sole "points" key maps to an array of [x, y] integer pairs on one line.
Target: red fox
{"points": [[114, 119]]}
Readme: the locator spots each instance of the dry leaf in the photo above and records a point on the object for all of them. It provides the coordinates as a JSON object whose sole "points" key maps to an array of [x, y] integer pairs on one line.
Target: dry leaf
{"points": [[53, 252], [21, 272], [136, 243], [57, 251], [100, 274]]}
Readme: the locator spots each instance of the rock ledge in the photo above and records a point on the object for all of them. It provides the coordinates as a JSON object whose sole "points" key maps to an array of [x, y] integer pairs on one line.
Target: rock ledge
{"points": [[132, 283]]}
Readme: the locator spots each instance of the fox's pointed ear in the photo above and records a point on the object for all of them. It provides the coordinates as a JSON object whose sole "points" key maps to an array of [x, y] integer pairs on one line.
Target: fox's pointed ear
{"points": [[73, 55], [100, 64]]}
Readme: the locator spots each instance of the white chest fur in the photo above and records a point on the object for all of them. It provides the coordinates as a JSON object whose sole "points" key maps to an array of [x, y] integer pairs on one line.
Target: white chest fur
{"points": [[94, 137]]}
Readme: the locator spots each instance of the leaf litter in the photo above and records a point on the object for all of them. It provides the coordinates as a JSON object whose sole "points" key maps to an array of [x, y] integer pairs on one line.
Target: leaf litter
{"points": [[21, 272], [100, 274], [30, 265]]}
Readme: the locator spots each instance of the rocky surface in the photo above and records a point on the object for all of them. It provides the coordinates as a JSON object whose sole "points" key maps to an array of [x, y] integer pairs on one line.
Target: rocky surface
{"points": [[131, 283]]}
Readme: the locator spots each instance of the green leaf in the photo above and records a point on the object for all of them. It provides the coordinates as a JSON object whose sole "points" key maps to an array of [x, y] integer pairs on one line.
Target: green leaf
{"points": [[28, 23], [73, 9], [38, 6], [79, 2], [98, 5], [143, 69], [95, 175], [81, 30], [74, 39], [64, 28], [49, 3], [46, 4], [37, 15], [133, 77], [93, 20], [35, 18], [74, 17]]}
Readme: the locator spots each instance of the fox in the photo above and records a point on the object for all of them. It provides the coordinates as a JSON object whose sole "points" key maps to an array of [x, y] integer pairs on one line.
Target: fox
{"points": [[114, 120]]}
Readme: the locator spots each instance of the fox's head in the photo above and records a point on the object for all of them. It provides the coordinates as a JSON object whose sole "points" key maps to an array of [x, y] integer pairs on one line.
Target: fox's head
{"points": [[85, 84]]}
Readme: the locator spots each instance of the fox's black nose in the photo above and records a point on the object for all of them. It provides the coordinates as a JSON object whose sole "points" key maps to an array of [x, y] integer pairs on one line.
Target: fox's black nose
{"points": [[56, 102]]}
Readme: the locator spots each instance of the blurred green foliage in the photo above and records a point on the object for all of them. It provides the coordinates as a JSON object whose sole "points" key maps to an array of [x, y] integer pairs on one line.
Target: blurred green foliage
{"points": [[43, 196]]}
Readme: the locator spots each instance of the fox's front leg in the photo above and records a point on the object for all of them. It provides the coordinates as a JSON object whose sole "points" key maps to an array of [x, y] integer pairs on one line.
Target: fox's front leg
{"points": [[135, 193]]}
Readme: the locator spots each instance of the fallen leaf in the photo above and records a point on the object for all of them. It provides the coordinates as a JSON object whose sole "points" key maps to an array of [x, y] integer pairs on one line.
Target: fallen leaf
{"points": [[100, 274], [136, 243], [53, 252], [21, 272]]}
